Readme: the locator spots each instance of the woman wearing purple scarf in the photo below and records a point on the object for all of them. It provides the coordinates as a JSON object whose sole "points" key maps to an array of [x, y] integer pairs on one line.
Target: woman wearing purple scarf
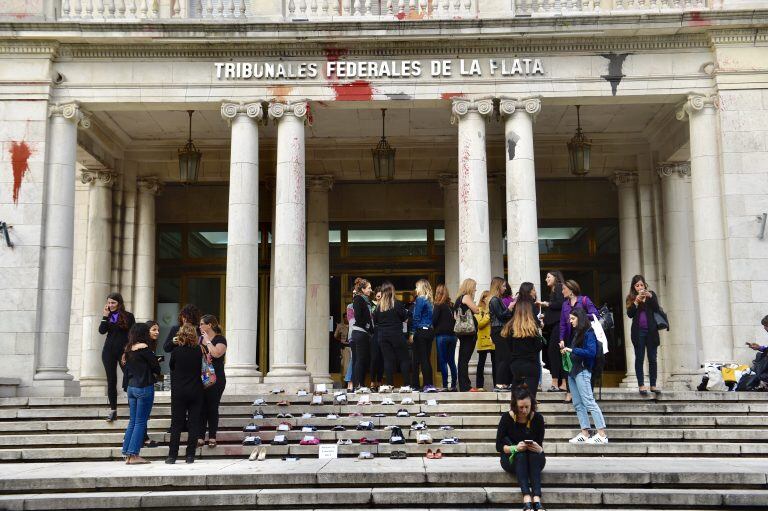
{"points": [[116, 322]]}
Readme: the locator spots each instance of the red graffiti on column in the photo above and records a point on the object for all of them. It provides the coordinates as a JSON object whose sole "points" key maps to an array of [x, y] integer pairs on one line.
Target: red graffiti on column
{"points": [[20, 153]]}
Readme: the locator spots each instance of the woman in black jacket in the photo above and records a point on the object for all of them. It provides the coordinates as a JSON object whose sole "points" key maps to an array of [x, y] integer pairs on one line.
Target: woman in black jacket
{"points": [[389, 316], [140, 373], [216, 345], [520, 442], [500, 315], [641, 304], [116, 322], [551, 331], [186, 391], [521, 334], [362, 331]]}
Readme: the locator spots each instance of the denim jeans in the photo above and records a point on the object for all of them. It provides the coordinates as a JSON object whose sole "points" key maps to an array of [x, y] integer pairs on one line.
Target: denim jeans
{"points": [[527, 468], [640, 346], [446, 358], [584, 400], [140, 400], [350, 365]]}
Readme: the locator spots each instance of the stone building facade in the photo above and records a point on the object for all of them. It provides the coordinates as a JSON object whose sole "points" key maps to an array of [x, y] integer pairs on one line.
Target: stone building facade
{"points": [[287, 97]]}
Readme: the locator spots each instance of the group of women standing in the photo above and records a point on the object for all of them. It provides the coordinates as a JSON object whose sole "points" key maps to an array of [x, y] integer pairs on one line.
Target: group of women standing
{"points": [[132, 346]]}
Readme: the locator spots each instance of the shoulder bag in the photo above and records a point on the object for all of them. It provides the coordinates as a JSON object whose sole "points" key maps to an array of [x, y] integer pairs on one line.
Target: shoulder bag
{"points": [[207, 372]]}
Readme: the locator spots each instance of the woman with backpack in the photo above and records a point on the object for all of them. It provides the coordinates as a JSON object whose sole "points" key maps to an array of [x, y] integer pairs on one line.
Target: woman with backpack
{"points": [[466, 329], [582, 353], [642, 303], [443, 322], [500, 315], [573, 299]]}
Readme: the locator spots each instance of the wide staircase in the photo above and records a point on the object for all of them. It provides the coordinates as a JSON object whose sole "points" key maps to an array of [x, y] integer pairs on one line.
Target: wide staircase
{"points": [[677, 450]]}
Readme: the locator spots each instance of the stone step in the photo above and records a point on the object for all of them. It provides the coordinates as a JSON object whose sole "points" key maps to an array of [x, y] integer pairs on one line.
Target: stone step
{"points": [[617, 435], [303, 498], [77, 452]]}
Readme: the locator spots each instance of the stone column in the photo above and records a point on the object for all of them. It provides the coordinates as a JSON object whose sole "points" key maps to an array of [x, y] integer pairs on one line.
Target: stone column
{"points": [[290, 246], [522, 225], [127, 282], [98, 278], [682, 361], [450, 185], [473, 237], [318, 287], [709, 227], [242, 288], [495, 219], [144, 309], [629, 239], [51, 373]]}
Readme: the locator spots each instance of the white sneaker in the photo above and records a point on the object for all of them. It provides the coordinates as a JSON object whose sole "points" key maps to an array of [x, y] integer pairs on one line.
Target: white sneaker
{"points": [[597, 440], [363, 390], [423, 438], [431, 402], [316, 400], [332, 416], [580, 439], [407, 401], [405, 388], [365, 399], [385, 388], [387, 401], [301, 393], [321, 388]]}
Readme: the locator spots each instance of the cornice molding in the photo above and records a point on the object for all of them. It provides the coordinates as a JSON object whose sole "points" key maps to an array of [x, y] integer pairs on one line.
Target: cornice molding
{"points": [[383, 47], [748, 36], [39, 48]]}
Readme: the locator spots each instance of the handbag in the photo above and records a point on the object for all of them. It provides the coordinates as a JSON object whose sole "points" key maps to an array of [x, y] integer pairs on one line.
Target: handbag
{"points": [[465, 323], [567, 362], [597, 327], [660, 317], [207, 372], [606, 317]]}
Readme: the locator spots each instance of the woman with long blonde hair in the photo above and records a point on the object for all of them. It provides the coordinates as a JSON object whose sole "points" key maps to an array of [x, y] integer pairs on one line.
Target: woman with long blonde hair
{"points": [[443, 322], [389, 316], [422, 334], [485, 344], [465, 301], [523, 337]]}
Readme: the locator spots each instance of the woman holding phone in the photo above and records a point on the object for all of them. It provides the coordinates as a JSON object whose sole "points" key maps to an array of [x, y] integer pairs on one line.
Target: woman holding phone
{"points": [[641, 305], [520, 442], [115, 322]]}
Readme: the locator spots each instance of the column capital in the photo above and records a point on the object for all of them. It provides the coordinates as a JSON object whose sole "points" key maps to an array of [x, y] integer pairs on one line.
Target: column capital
{"points": [[447, 180], [98, 177], [150, 184], [231, 109], [462, 106], [298, 109], [695, 103], [670, 168], [531, 105], [624, 178], [321, 183], [72, 112]]}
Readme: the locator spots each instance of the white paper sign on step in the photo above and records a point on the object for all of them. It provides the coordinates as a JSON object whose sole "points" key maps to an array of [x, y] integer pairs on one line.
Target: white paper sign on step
{"points": [[327, 451]]}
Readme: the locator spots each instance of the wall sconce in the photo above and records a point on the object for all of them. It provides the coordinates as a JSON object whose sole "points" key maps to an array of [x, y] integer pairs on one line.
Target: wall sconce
{"points": [[4, 230]]}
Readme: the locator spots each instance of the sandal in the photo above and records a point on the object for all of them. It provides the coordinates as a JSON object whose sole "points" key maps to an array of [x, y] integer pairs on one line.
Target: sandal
{"points": [[211, 442], [438, 454], [430, 455], [398, 455]]}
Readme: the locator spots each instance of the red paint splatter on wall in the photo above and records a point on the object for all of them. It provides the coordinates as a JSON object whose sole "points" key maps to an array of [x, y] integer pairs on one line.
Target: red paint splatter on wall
{"points": [[400, 15], [359, 90], [20, 153], [449, 95], [698, 21]]}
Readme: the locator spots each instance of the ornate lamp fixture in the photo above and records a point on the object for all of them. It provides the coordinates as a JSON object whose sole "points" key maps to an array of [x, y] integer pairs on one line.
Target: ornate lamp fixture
{"points": [[579, 149], [189, 158], [383, 156]]}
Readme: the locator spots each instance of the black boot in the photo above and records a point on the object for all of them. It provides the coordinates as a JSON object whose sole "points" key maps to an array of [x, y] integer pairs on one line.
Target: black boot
{"points": [[111, 416], [170, 460], [190, 459]]}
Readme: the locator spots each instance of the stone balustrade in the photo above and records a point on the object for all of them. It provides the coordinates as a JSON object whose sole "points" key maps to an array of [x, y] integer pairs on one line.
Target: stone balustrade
{"points": [[339, 10], [575, 7]]}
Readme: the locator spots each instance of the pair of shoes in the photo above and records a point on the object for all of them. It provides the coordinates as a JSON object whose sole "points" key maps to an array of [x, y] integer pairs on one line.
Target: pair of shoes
{"points": [[365, 426], [365, 455], [284, 416], [279, 440], [251, 427], [309, 440], [398, 455], [450, 440], [403, 413], [338, 427], [211, 443], [283, 403], [397, 436], [252, 440], [437, 455], [259, 453], [422, 414], [418, 426], [423, 438], [368, 441], [344, 441]]}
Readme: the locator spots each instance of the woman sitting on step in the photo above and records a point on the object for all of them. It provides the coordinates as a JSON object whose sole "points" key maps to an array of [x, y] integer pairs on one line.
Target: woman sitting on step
{"points": [[520, 440]]}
